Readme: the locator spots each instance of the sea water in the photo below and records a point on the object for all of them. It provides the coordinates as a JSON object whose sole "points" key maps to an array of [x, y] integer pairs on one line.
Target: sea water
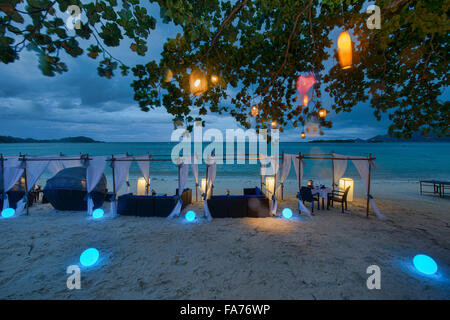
{"points": [[395, 162]]}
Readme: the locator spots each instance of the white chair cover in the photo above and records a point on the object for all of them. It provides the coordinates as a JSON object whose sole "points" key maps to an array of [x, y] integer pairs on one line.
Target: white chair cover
{"points": [[95, 168]]}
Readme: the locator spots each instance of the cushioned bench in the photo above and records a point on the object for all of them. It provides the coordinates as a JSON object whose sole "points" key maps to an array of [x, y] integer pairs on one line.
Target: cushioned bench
{"points": [[150, 206], [252, 204]]}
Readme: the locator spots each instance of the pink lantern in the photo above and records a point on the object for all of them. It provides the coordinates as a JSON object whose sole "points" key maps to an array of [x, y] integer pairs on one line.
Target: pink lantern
{"points": [[304, 83]]}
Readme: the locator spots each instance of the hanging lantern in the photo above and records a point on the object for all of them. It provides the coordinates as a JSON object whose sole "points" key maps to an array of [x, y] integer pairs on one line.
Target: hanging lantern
{"points": [[322, 113], [273, 124], [304, 84], [345, 50], [214, 79], [167, 75], [254, 112], [305, 100], [303, 135], [198, 83]]}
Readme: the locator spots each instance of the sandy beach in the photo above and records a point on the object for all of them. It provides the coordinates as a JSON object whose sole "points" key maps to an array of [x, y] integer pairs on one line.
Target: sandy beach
{"points": [[250, 258]]}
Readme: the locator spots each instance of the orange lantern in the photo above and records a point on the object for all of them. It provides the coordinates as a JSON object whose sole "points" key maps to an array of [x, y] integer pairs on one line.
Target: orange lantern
{"points": [[254, 112], [214, 79], [273, 124], [322, 113], [303, 135], [198, 83], [345, 50]]}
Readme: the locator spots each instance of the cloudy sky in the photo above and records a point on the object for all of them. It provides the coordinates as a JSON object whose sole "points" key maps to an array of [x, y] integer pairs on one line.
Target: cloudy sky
{"points": [[79, 102]]}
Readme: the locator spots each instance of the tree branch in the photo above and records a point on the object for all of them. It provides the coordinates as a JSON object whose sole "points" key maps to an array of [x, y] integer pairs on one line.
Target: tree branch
{"points": [[225, 23]]}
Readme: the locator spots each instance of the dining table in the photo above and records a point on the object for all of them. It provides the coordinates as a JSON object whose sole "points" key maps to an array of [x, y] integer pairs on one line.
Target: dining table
{"points": [[322, 192]]}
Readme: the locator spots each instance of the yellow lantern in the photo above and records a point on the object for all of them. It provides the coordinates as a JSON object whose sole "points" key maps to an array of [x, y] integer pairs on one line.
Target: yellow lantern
{"points": [[345, 50], [303, 135], [142, 188], [254, 112], [344, 183], [203, 184], [322, 113], [198, 83], [270, 186], [214, 79]]}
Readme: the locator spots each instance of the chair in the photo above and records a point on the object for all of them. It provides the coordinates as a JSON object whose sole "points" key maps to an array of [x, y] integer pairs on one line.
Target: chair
{"points": [[339, 196], [306, 195]]}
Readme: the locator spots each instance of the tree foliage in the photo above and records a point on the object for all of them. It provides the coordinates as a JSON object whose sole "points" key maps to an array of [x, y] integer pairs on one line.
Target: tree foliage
{"points": [[257, 48]]}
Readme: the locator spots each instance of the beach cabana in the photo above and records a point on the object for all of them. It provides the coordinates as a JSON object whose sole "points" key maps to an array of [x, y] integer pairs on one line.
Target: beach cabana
{"points": [[253, 203], [152, 205]]}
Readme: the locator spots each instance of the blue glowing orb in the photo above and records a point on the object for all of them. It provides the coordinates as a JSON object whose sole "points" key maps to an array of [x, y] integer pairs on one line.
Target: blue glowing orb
{"points": [[190, 216], [8, 212], [98, 213], [89, 257], [425, 264], [287, 213]]}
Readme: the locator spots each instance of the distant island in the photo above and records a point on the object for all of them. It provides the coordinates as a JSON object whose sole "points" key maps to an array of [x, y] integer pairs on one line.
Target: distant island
{"points": [[416, 137], [81, 139]]}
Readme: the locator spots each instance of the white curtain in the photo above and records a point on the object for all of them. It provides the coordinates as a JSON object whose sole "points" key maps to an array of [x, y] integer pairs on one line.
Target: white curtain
{"points": [[95, 168], [13, 170], [363, 168], [339, 167], [194, 168], [284, 174], [144, 167], [121, 171], [183, 176], [298, 166], [212, 168], [66, 162], [35, 168]]}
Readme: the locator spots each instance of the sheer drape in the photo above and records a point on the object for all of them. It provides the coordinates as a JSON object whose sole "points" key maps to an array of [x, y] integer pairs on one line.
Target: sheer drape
{"points": [[121, 172], [13, 170], [363, 168], [95, 168], [212, 168], [183, 176], [144, 167], [339, 167]]}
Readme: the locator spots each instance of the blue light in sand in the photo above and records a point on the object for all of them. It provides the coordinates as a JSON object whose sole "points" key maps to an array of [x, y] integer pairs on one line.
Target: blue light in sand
{"points": [[89, 257], [190, 216], [287, 213], [425, 264], [98, 213], [8, 212]]}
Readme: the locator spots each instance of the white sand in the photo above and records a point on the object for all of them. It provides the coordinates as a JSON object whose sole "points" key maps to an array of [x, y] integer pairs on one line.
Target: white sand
{"points": [[272, 258]]}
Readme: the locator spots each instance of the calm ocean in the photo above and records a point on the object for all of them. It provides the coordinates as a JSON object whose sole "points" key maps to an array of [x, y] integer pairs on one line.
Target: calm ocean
{"points": [[394, 161]]}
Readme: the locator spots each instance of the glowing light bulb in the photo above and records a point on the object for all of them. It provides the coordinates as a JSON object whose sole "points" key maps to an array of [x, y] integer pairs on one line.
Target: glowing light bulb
{"points": [[305, 100], [98, 213], [197, 83], [425, 264], [287, 213], [254, 111], [303, 135], [89, 257], [190, 216], [214, 79], [273, 124], [322, 113], [8, 212]]}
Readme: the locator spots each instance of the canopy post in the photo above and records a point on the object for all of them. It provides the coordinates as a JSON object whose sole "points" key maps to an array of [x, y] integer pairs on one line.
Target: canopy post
{"points": [[3, 176], [113, 176], [26, 184], [332, 170], [282, 186], [179, 191], [147, 182], [299, 171], [206, 184], [368, 186]]}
